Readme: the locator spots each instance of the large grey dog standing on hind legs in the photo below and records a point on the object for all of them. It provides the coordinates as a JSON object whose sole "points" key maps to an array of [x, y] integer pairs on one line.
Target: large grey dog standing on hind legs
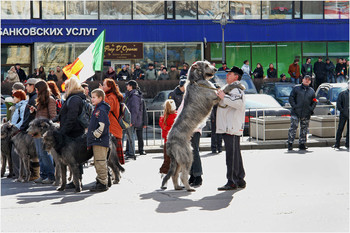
{"points": [[200, 97]]}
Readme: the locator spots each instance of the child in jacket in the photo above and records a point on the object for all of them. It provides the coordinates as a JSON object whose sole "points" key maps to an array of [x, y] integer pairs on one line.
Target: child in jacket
{"points": [[98, 138]]}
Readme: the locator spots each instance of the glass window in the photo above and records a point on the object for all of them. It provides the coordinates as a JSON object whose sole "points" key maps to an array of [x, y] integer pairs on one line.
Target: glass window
{"points": [[153, 53], [277, 9], [245, 9], [263, 53], [215, 51], [314, 50], [312, 9], [236, 53], [169, 9], [12, 54], [297, 6], [179, 53], [82, 9], [337, 50], [50, 55], [15, 9], [52, 9], [286, 53], [186, 9], [212, 9], [336, 9], [148, 10], [36, 9], [115, 10]]}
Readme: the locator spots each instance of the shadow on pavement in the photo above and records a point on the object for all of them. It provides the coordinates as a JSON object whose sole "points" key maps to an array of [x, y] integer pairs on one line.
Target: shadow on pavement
{"points": [[172, 201], [301, 152]]}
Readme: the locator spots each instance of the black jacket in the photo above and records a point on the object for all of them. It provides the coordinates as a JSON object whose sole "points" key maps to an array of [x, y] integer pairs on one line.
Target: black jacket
{"points": [[330, 69], [340, 70], [21, 74], [68, 117], [272, 73], [320, 70], [177, 96], [306, 69], [343, 103], [258, 73], [302, 99], [52, 77], [111, 75], [123, 73], [28, 117], [138, 74]]}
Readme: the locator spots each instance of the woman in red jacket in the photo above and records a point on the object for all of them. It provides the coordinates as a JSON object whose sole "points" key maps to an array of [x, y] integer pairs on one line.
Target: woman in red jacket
{"points": [[166, 122], [114, 98]]}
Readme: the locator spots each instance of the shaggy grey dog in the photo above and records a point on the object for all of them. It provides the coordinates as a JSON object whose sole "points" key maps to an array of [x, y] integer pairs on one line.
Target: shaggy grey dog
{"points": [[199, 99], [71, 152], [23, 145], [6, 145]]}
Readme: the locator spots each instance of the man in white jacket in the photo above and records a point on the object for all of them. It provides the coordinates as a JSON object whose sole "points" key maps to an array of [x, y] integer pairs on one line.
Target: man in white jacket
{"points": [[230, 123]]}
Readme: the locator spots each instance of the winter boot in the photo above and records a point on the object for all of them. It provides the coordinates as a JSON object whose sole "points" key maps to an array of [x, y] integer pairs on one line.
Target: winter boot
{"points": [[98, 187]]}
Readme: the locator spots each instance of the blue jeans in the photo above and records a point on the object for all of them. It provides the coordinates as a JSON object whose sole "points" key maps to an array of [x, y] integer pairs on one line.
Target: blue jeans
{"points": [[330, 79], [47, 170], [294, 80], [130, 145], [341, 79]]}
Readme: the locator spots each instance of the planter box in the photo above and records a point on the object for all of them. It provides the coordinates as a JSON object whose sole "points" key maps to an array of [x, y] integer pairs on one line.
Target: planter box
{"points": [[273, 128], [324, 126]]}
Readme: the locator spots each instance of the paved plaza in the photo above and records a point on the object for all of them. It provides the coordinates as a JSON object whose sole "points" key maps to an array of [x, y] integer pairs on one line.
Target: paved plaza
{"points": [[297, 191]]}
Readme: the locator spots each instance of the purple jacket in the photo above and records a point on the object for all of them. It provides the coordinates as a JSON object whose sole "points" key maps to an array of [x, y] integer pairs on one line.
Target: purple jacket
{"points": [[135, 106]]}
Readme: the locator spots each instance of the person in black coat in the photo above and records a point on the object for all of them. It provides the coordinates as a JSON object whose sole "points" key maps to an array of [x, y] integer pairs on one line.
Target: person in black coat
{"points": [[343, 107], [320, 72], [306, 68], [124, 74], [303, 102], [52, 76], [330, 71], [139, 130], [138, 73], [28, 117], [340, 70], [258, 72], [177, 93], [271, 72], [110, 73], [21, 74]]}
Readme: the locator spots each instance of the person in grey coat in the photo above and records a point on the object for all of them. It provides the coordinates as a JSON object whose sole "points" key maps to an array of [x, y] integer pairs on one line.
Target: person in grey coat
{"points": [[151, 73]]}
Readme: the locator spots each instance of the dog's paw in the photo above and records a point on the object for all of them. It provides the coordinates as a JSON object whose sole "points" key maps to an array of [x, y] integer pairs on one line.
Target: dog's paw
{"points": [[60, 189], [191, 190], [78, 190], [115, 181]]}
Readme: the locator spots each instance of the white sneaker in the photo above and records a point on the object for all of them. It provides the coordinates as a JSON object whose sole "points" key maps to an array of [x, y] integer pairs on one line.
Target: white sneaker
{"points": [[39, 180], [47, 181]]}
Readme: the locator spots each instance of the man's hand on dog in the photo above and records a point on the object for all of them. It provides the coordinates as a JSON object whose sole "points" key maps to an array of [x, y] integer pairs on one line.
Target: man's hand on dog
{"points": [[221, 94]]}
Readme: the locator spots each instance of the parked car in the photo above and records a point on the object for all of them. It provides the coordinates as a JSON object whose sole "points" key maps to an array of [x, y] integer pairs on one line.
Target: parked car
{"points": [[327, 94], [220, 79], [260, 105], [156, 104], [278, 90]]}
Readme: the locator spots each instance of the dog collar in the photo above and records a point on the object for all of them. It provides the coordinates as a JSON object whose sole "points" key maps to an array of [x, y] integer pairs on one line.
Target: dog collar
{"points": [[15, 133]]}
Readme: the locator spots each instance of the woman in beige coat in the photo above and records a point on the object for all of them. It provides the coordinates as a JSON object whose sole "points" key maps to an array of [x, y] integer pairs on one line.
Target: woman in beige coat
{"points": [[12, 75]]}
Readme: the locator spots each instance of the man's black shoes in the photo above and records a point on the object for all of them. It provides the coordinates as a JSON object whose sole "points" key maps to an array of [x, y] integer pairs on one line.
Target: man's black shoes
{"points": [[303, 147], [197, 181], [290, 146], [98, 187], [227, 187]]}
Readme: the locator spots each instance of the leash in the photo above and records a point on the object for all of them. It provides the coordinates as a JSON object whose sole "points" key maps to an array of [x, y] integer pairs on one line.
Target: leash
{"points": [[17, 132]]}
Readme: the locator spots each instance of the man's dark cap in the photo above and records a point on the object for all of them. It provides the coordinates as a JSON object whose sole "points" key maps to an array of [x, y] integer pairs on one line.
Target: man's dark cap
{"points": [[150, 64], [17, 64], [235, 69], [172, 66], [282, 75], [307, 76], [132, 83]]}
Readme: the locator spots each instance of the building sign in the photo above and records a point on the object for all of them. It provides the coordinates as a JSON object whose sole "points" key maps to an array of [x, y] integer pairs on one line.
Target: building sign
{"points": [[39, 31], [119, 51]]}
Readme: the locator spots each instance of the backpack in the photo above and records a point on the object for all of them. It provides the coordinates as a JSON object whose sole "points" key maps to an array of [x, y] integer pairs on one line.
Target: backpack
{"points": [[85, 115], [124, 118]]}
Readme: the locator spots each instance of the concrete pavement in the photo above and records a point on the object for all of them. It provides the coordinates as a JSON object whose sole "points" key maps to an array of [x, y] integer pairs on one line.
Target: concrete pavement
{"points": [[296, 191]]}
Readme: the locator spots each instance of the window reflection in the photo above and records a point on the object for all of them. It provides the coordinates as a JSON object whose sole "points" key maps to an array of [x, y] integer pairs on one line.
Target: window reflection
{"points": [[15, 9], [245, 10], [277, 9], [211, 9], [313, 10], [153, 53], [115, 10], [336, 9], [186, 9], [51, 55], [148, 9], [82, 9], [52, 9], [179, 53]]}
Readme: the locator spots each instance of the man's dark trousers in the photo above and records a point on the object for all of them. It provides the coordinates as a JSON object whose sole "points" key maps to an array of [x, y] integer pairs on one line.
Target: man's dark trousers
{"points": [[235, 171], [342, 122]]}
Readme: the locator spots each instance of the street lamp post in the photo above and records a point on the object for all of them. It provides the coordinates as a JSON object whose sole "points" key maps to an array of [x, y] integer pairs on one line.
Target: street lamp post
{"points": [[223, 21]]}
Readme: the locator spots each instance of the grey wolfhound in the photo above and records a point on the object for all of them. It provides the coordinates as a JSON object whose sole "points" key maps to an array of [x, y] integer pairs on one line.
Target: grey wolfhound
{"points": [[199, 99], [23, 145], [71, 152]]}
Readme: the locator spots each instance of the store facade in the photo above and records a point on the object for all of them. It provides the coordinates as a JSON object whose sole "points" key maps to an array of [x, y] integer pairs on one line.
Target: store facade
{"points": [[53, 33]]}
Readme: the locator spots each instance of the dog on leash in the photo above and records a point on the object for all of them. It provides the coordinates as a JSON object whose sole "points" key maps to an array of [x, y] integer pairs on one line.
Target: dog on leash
{"points": [[6, 159], [23, 145], [71, 152], [200, 97]]}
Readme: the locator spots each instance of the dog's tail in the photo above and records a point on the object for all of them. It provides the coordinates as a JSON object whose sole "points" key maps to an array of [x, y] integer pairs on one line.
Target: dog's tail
{"points": [[172, 169]]}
